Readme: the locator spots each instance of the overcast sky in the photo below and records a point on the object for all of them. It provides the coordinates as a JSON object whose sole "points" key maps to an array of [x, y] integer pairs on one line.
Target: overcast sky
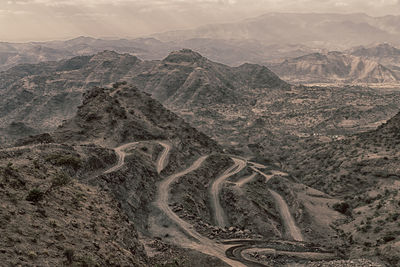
{"points": [[26, 20]]}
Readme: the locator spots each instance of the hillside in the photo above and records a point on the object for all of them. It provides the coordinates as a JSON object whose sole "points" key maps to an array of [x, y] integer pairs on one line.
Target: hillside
{"points": [[73, 185], [334, 67], [53, 90], [278, 192], [115, 161], [50, 217], [385, 54], [127, 115], [363, 172]]}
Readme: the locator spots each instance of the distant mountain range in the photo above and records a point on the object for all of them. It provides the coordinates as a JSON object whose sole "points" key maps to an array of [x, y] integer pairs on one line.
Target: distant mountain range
{"points": [[268, 38], [331, 31], [334, 67], [231, 52], [384, 54]]}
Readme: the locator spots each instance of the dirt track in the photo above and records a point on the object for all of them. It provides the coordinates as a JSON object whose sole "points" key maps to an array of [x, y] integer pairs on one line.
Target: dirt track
{"points": [[292, 231], [161, 162], [121, 156], [238, 165], [203, 244]]}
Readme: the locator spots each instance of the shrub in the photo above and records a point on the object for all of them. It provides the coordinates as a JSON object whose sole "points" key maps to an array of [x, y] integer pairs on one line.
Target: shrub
{"points": [[388, 238], [60, 179], [342, 207], [35, 195], [9, 170], [69, 254]]}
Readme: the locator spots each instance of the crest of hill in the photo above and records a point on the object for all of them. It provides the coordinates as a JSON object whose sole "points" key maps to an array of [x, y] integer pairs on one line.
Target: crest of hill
{"points": [[128, 115], [184, 56], [388, 133], [185, 78]]}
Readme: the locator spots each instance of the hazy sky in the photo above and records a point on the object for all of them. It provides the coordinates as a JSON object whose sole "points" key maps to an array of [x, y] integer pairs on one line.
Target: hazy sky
{"points": [[23, 20]]}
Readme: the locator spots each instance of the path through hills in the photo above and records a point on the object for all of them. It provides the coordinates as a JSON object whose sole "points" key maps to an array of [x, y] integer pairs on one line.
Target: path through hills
{"points": [[219, 213], [162, 159], [202, 243], [121, 156]]}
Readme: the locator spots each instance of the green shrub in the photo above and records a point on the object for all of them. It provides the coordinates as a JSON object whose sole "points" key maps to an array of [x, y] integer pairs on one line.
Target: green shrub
{"points": [[69, 254], [60, 179], [342, 207], [35, 195], [388, 238]]}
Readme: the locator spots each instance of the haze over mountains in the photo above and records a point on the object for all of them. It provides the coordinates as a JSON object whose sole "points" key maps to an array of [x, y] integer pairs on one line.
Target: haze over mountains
{"points": [[203, 148], [271, 37], [330, 31]]}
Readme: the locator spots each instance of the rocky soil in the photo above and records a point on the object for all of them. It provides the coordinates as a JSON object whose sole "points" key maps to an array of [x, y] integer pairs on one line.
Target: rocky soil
{"points": [[361, 172], [50, 218]]}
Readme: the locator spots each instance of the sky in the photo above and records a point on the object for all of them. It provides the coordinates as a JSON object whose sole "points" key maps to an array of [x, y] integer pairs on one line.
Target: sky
{"points": [[41, 20]]}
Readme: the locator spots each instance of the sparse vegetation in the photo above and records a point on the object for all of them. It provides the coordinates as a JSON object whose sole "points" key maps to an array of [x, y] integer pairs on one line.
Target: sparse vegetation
{"points": [[64, 160], [342, 207], [60, 179], [35, 195]]}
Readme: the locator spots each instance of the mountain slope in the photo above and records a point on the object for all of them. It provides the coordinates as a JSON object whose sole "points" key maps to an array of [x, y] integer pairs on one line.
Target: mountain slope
{"points": [[334, 67], [362, 171], [127, 115], [185, 78], [53, 90], [385, 54], [87, 199]]}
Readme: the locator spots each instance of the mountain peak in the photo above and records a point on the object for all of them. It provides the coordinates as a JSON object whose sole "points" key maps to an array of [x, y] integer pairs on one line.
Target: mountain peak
{"points": [[110, 55], [183, 56]]}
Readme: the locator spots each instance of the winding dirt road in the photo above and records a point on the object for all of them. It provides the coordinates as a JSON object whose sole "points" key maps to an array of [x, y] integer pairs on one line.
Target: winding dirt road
{"points": [[203, 244], [292, 231], [161, 162], [229, 253], [268, 176], [245, 180], [121, 156], [219, 216]]}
